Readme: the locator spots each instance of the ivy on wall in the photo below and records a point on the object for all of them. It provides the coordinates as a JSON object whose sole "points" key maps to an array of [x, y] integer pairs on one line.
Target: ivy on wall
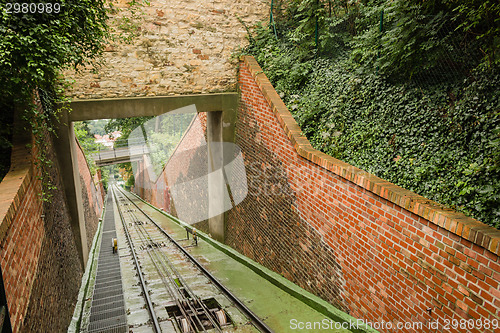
{"points": [[38, 41], [436, 135]]}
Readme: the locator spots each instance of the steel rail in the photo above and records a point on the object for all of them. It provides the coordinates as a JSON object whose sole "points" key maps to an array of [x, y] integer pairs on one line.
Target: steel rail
{"points": [[147, 239], [191, 294], [170, 290], [239, 304], [163, 260], [176, 296], [156, 325]]}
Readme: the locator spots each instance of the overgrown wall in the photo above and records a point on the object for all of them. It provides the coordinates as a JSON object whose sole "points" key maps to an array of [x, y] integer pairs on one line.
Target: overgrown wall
{"points": [[40, 263], [370, 247]]}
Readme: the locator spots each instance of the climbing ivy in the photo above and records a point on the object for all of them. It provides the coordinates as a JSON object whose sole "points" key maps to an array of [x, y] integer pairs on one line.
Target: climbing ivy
{"points": [[436, 135], [34, 48]]}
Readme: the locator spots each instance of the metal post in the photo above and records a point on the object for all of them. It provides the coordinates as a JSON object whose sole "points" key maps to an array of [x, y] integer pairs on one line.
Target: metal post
{"points": [[381, 20], [271, 13], [271, 19], [317, 25]]}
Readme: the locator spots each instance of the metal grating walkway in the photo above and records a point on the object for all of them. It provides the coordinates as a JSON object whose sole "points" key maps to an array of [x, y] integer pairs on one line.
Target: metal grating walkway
{"points": [[107, 313]]}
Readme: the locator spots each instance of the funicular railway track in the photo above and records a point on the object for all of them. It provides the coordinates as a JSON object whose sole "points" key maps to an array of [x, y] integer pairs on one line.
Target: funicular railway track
{"points": [[188, 311]]}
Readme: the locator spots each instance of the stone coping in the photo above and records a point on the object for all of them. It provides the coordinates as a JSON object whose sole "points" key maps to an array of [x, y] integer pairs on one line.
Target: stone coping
{"points": [[457, 223]]}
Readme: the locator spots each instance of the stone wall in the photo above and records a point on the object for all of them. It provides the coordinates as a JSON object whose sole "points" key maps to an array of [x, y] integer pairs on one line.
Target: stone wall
{"points": [[40, 263], [175, 47], [380, 252]]}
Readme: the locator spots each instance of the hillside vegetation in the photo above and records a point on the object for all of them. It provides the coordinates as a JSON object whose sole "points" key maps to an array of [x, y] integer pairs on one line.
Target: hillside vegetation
{"points": [[406, 90]]}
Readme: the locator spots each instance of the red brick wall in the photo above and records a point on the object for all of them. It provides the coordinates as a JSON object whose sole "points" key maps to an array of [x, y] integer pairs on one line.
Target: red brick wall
{"points": [[40, 263], [381, 252], [92, 195], [22, 236], [156, 191]]}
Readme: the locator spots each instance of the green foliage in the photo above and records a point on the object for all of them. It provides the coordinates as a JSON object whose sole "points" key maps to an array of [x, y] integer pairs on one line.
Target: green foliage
{"points": [[34, 48], [41, 118], [480, 20], [451, 37], [164, 137], [412, 38], [6, 119], [161, 134], [106, 171], [97, 126], [125, 126], [130, 181], [437, 137]]}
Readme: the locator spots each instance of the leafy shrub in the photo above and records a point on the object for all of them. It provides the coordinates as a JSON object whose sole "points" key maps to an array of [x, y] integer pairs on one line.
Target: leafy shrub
{"points": [[417, 38]]}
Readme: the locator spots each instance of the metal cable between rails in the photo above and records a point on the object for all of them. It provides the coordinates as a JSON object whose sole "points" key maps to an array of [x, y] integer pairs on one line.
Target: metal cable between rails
{"points": [[190, 303], [156, 325], [256, 321], [157, 259]]}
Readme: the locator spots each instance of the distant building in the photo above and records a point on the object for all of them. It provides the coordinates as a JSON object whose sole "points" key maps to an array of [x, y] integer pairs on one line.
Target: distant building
{"points": [[109, 139]]}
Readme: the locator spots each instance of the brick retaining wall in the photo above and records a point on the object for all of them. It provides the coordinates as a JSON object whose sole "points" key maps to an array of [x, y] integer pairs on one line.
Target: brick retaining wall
{"points": [[92, 194], [40, 263], [156, 191], [368, 246]]}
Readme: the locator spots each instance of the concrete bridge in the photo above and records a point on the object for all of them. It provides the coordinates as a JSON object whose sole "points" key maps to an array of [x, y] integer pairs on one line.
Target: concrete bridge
{"points": [[220, 108]]}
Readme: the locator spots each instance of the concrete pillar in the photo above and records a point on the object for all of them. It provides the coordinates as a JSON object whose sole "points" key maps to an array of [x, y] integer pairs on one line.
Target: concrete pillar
{"points": [[68, 162], [216, 183]]}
